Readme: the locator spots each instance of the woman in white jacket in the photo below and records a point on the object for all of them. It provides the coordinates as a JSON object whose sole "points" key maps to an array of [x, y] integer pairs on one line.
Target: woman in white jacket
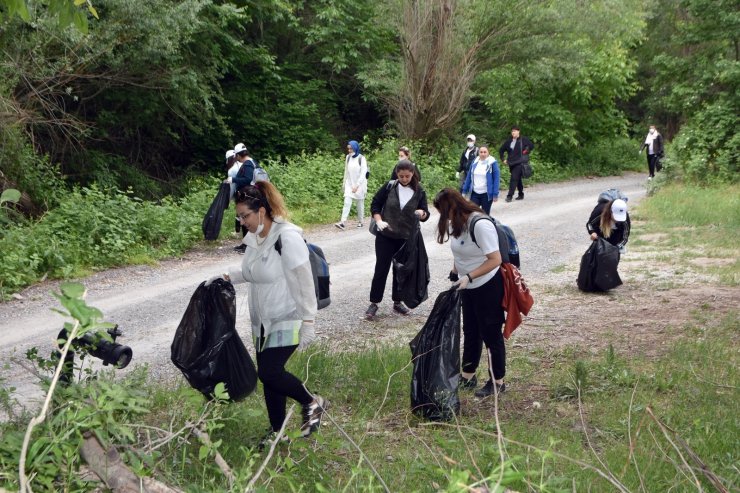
{"points": [[354, 184], [282, 299]]}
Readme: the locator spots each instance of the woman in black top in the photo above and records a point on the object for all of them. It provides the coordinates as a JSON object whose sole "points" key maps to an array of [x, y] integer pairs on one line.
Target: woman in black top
{"points": [[396, 208], [610, 220]]}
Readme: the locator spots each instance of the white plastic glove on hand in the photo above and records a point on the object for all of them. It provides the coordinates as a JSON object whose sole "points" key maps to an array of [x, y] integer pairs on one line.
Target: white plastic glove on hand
{"points": [[420, 213], [381, 225], [457, 175], [462, 283], [307, 335], [211, 279]]}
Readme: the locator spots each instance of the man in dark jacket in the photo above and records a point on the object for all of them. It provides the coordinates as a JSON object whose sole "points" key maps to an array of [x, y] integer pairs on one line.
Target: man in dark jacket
{"points": [[517, 148], [467, 158]]}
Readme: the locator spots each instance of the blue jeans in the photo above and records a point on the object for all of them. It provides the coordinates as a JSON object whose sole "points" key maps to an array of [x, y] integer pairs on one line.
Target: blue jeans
{"points": [[482, 200]]}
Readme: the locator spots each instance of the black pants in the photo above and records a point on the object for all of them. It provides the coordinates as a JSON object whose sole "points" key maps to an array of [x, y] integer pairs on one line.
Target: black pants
{"points": [[515, 181], [482, 200], [278, 384], [385, 248], [652, 159], [483, 319]]}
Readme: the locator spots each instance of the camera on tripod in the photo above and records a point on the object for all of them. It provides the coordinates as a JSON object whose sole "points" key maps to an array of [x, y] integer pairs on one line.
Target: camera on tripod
{"points": [[97, 345]]}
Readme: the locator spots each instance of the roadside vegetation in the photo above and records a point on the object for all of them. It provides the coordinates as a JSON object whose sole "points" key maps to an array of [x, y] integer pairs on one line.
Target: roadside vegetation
{"points": [[574, 419]]}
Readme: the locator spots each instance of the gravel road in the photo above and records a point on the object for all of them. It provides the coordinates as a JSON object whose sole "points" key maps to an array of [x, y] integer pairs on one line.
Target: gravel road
{"points": [[148, 301]]}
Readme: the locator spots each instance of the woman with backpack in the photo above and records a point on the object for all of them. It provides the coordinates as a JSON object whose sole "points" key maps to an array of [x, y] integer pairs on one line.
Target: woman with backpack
{"points": [[482, 180], [405, 154], [354, 183], [397, 207], [610, 220], [282, 300], [475, 271]]}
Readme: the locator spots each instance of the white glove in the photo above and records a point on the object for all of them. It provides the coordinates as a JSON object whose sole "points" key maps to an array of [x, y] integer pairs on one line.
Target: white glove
{"points": [[307, 335], [457, 175], [211, 279], [420, 213], [228, 180], [639, 152], [381, 225], [462, 283]]}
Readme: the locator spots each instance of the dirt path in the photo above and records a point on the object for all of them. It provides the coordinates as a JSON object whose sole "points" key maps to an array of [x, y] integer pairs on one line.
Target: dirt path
{"points": [[147, 302]]}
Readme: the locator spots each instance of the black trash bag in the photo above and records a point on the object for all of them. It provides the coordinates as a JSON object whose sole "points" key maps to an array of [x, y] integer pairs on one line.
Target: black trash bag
{"points": [[436, 357], [411, 270], [214, 216], [207, 348], [599, 267]]}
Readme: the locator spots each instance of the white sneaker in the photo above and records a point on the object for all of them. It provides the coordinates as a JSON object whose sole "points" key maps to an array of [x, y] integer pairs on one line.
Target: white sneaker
{"points": [[340, 226], [359, 225], [312, 415]]}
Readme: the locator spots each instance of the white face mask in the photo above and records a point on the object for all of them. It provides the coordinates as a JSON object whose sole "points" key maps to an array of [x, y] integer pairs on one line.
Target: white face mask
{"points": [[471, 144], [260, 226], [652, 131]]}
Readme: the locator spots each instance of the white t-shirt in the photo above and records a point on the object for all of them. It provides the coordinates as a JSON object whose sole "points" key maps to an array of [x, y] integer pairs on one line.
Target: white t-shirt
{"points": [[480, 182], [404, 195], [469, 256]]}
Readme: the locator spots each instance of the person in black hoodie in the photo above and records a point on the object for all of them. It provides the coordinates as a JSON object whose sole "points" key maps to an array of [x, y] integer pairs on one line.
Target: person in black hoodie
{"points": [[518, 148], [466, 159]]}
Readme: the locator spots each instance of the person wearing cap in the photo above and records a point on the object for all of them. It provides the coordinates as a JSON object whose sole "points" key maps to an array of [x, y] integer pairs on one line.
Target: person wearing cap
{"points": [[517, 148], [611, 221], [232, 168], [482, 181], [466, 159], [243, 177], [654, 144]]}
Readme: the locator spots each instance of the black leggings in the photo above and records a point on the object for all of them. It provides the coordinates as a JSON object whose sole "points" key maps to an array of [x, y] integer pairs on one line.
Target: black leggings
{"points": [[652, 159], [278, 384], [515, 182], [385, 249], [483, 319]]}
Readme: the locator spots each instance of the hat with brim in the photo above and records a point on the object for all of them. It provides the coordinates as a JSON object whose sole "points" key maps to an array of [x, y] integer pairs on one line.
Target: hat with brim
{"points": [[619, 210]]}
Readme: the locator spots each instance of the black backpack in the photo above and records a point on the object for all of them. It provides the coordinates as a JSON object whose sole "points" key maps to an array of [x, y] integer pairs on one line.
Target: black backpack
{"points": [[319, 269], [507, 244]]}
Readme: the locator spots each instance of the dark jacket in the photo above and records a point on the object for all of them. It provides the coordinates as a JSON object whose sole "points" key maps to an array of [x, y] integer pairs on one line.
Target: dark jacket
{"points": [[519, 154], [465, 162], [657, 146], [400, 221], [618, 236], [245, 175]]}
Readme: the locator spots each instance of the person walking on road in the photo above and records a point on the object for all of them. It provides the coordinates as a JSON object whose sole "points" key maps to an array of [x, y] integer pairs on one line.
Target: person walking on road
{"points": [[282, 300], [396, 208], [354, 184], [654, 144], [244, 176], [475, 271], [466, 159], [482, 181], [405, 154], [517, 148]]}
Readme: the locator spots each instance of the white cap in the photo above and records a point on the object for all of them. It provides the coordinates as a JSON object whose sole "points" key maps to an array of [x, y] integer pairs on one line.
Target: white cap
{"points": [[619, 210], [230, 153], [239, 148], [471, 137]]}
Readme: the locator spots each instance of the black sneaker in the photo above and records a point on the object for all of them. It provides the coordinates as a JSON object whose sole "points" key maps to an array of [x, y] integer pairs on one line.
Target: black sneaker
{"points": [[240, 248], [312, 414], [520, 197], [371, 311], [359, 225], [508, 199], [468, 383], [488, 389], [401, 308], [340, 226]]}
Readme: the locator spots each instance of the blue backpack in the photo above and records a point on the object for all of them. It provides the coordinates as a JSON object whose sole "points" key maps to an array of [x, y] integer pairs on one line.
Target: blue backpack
{"points": [[507, 244], [319, 269]]}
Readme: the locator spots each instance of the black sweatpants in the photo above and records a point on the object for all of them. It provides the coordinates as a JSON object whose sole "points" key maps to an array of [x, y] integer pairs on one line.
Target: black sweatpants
{"points": [[515, 181], [483, 319], [385, 249], [278, 384], [651, 160]]}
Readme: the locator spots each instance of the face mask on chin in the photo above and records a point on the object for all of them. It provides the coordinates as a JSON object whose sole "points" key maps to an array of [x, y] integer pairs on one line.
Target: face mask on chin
{"points": [[260, 227]]}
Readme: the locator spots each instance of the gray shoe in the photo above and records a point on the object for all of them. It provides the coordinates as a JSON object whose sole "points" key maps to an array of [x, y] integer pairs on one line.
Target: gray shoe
{"points": [[371, 311]]}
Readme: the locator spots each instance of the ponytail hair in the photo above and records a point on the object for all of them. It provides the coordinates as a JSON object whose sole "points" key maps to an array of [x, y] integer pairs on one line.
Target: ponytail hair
{"points": [[262, 194]]}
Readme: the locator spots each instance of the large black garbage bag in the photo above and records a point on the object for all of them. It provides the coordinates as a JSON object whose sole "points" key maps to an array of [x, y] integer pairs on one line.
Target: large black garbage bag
{"points": [[214, 216], [599, 267], [411, 270], [207, 348], [436, 356]]}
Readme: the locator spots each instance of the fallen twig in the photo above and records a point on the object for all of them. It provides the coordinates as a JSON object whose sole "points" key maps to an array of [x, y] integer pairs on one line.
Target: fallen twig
{"points": [[220, 461], [664, 429], [273, 444]]}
